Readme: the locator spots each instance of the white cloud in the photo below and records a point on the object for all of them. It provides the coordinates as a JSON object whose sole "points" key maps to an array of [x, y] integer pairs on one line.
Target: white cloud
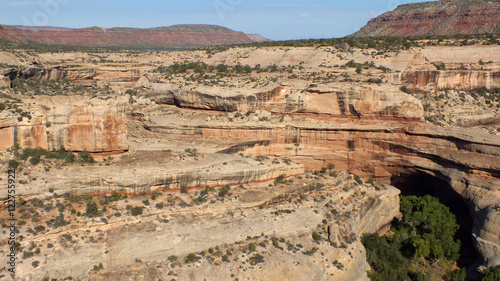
{"points": [[303, 16]]}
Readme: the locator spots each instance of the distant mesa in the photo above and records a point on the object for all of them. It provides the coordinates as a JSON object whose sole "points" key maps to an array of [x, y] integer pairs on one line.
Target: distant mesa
{"points": [[171, 37], [258, 38], [443, 17]]}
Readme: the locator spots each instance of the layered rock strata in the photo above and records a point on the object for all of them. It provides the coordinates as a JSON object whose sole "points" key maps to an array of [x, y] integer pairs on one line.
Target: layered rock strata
{"points": [[444, 17], [357, 101], [78, 74], [77, 123], [372, 147], [451, 79], [139, 172], [178, 36], [137, 248]]}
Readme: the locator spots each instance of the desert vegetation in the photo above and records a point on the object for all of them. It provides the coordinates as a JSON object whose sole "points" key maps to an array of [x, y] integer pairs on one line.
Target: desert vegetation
{"points": [[421, 246]]}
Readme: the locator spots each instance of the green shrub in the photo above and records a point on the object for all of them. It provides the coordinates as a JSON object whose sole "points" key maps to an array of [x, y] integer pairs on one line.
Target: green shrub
{"points": [[224, 190], [358, 179], [371, 181], [192, 258], [280, 179], [491, 274], [35, 154], [456, 275], [404, 89], [256, 259], [252, 247], [375, 81], [276, 244], [310, 252], [136, 211], [13, 164], [316, 236], [385, 259], [85, 157], [91, 209]]}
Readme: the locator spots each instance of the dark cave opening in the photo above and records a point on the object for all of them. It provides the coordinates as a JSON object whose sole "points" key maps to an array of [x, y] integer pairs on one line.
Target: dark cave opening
{"points": [[420, 184]]}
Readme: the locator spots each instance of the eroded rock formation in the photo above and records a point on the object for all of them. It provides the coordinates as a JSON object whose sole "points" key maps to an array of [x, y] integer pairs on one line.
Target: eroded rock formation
{"points": [[444, 17], [74, 122], [451, 79], [182, 133], [375, 147], [79, 74], [229, 227], [357, 101]]}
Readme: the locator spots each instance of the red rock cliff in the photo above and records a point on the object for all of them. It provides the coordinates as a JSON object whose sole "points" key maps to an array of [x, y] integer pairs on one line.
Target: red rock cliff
{"points": [[179, 36], [444, 17]]}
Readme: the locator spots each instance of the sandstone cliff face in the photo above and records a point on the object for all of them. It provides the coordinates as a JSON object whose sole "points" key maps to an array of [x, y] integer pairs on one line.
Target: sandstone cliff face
{"points": [[81, 74], [229, 226], [371, 131], [451, 79], [467, 160], [444, 17], [357, 101], [361, 102], [181, 36], [139, 172], [56, 73], [213, 99], [76, 123]]}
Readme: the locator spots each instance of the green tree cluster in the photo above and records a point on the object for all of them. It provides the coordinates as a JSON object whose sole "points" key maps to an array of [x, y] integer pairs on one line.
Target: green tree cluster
{"points": [[34, 155], [425, 233]]}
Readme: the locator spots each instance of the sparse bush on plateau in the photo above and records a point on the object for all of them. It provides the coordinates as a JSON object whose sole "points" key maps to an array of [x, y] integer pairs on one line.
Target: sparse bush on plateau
{"points": [[138, 210]]}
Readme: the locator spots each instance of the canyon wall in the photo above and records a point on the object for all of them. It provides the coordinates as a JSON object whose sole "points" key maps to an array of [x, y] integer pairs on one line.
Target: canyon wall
{"points": [[361, 101], [449, 79], [122, 245], [370, 143], [77, 123], [79, 74], [151, 171], [444, 17]]}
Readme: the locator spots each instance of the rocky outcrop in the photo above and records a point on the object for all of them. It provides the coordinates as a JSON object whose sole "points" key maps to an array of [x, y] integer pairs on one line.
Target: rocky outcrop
{"points": [[210, 98], [80, 74], [443, 17], [77, 123], [229, 226], [369, 130], [177, 36], [451, 79], [258, 38], [147, 172], [467, 160], [56, 73], [359, 102]]}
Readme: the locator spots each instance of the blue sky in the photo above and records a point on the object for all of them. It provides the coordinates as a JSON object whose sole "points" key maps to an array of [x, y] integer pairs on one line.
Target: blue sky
{"points": [[274, 19]]}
